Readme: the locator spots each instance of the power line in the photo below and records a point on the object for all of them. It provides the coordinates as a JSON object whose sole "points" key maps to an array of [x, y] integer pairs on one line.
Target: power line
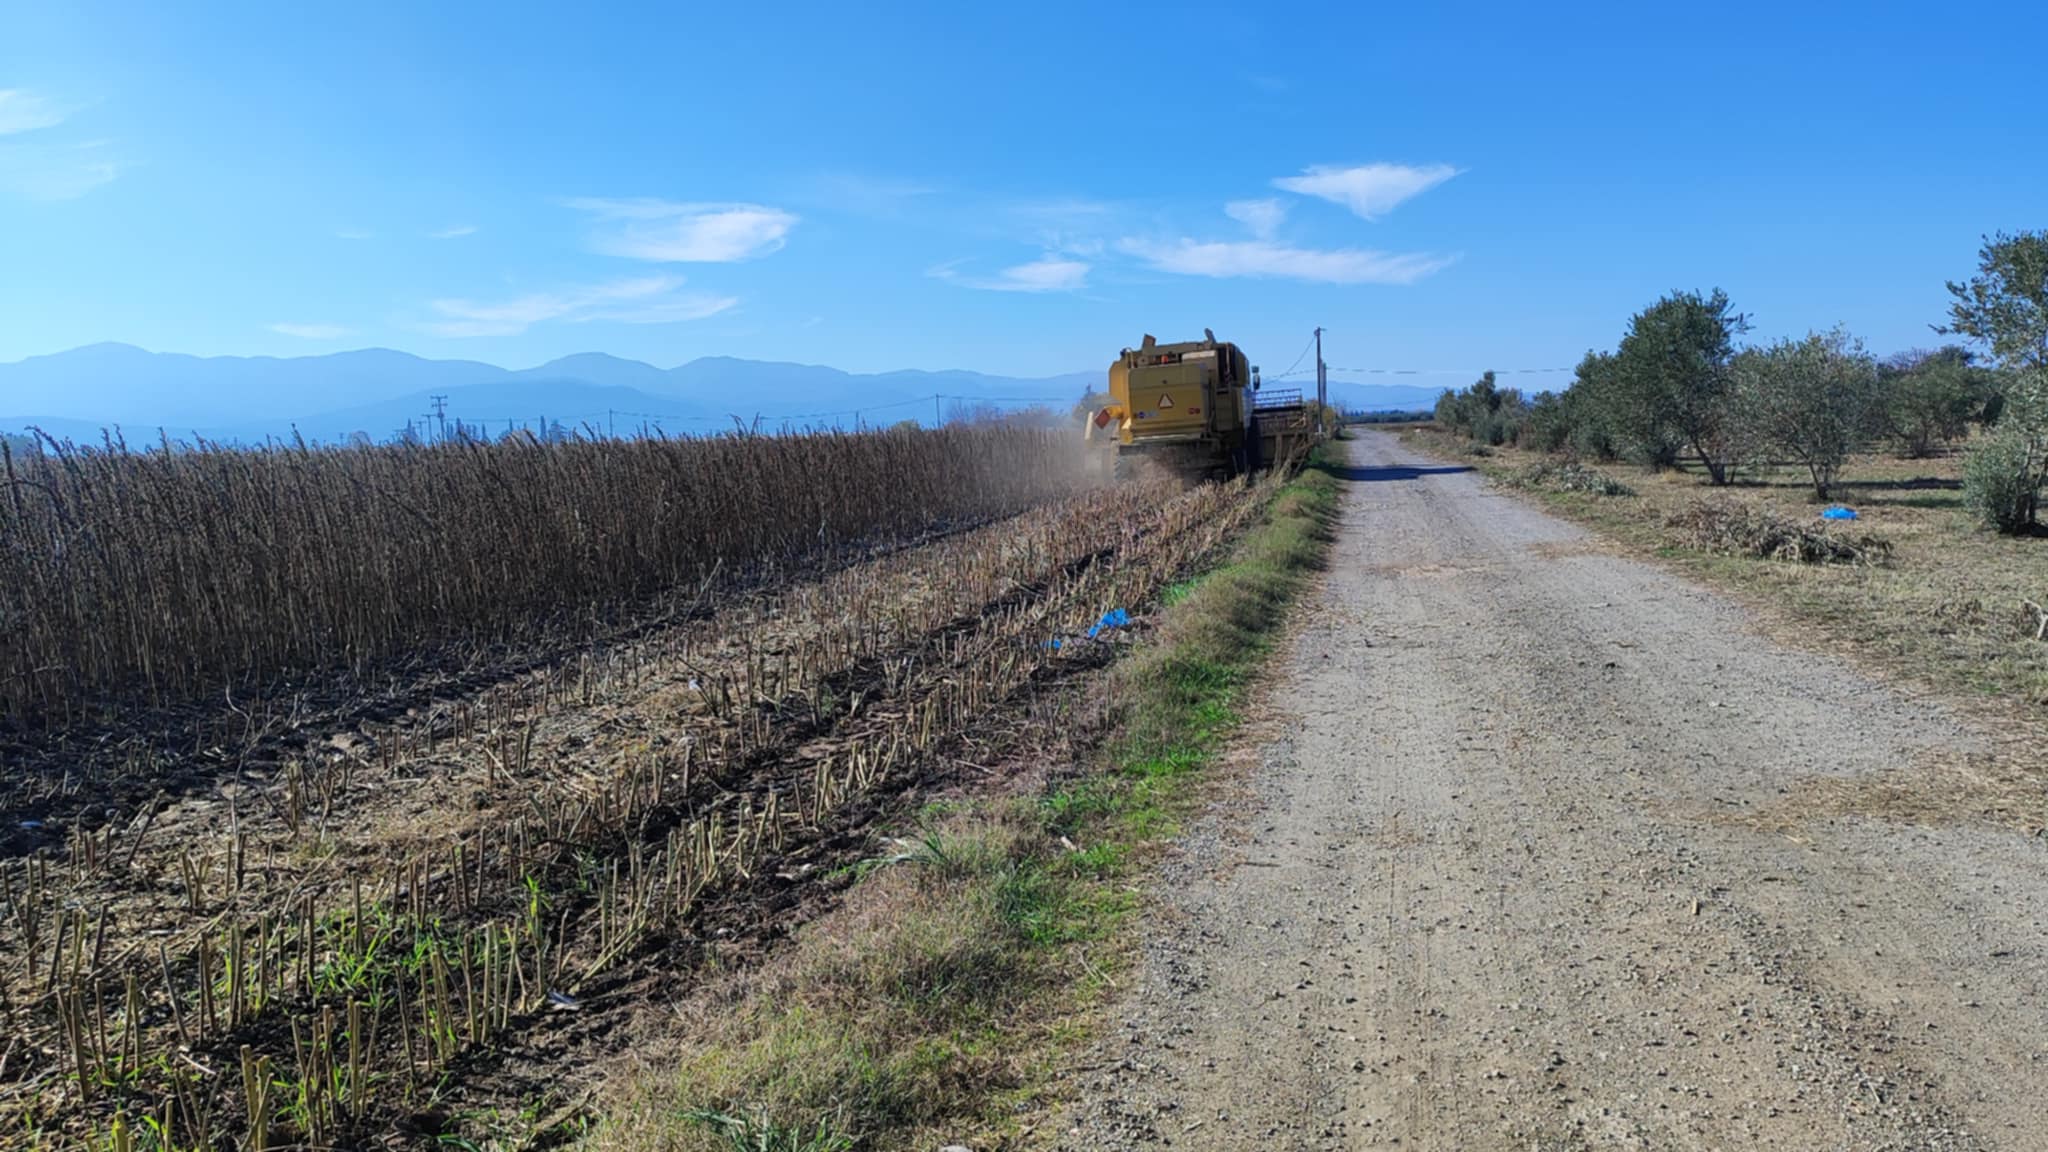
{"points": [[1436, 371], [1450, 371], [1010, 399], [1298, 359]]}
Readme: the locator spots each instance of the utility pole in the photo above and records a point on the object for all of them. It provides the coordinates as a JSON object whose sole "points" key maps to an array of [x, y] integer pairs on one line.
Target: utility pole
{"points": [[1322, 375], [441, 417], [937, 419]]}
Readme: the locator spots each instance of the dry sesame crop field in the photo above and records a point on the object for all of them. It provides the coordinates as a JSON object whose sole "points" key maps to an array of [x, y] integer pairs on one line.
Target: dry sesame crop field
{"points": [[348, 793]]}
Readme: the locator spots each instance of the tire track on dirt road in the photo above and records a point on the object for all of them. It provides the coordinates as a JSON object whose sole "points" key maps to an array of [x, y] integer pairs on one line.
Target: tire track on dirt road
{"points": [[1506, 864]]}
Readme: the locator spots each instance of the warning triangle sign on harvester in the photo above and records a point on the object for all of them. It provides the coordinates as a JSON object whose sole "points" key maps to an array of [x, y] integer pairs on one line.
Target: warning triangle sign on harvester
{"points": [[1166, 401]]}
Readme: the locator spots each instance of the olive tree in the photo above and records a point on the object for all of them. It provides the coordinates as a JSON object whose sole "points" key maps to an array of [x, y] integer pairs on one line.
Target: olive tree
{"points": [[1810, 400], [1668, 387], [2002, 479], [1484, 411], [1930, 398], [1587, 408], [2005, 305], [2005, 308]]}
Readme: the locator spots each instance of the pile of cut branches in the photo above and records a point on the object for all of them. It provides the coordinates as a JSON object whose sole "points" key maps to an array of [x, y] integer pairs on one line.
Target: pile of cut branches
{"points": [[1733, 528], [1571, 476]]}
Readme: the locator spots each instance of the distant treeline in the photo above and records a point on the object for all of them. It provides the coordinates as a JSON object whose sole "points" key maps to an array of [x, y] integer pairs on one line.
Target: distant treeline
{"points": [[1353, 417]]}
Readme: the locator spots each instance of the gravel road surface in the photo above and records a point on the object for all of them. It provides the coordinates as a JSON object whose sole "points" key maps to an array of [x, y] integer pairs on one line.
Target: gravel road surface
{"points": [[1524, 865]]}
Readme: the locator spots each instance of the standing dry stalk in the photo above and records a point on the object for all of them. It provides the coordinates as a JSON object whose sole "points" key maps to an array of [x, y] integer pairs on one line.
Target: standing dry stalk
{"points": [[77, 1038], [205, 961], [256, 1097]]}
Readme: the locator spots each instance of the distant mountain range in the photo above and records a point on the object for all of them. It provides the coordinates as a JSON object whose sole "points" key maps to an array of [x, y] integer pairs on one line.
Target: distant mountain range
{"points": [[379, 392]]}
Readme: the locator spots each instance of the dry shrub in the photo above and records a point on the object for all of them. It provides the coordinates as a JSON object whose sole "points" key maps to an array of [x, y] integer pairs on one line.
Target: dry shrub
{"points": [[173, 573], [1732, 528], [1571, 476]]}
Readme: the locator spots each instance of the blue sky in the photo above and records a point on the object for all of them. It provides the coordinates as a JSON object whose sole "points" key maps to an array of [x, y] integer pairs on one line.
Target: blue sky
{"points": [[1020, 189]]}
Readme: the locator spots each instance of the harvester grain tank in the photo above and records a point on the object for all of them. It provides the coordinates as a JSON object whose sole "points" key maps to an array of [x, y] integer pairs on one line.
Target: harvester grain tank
{"points": [[1194, 407]]}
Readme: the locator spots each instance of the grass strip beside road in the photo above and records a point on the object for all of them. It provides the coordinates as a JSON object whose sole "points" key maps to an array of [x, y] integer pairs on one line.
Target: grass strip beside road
{"points": [[938, 1003]]}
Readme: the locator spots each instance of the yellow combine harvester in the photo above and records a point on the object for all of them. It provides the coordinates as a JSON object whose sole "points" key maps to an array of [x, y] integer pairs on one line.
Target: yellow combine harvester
{"points": [[1195, 408]]}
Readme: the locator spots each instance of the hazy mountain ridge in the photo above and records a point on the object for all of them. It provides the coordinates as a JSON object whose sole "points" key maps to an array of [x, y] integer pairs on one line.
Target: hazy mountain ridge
{"points": [[379, 391]]}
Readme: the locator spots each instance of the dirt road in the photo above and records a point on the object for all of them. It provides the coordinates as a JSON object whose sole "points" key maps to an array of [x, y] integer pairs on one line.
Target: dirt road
{"points": [[1531, 861]]}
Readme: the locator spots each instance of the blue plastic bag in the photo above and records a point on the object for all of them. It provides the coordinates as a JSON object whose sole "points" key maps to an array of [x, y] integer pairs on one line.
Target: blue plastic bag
{"points": [[1837, 512], [1114, 618]]}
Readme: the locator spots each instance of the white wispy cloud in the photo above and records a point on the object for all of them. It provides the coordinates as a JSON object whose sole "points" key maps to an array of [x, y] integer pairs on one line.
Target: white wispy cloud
{"points": [[42, 166], [453, 232], [310, 331], [668, 232], [1070, 226], [1064, 210], [1369, 190], [354, 234], [641, 300], [38, 171], [865, 194], [24, 111], [670, 310], [1264, 258], [1263, 217], [1051, 273]]}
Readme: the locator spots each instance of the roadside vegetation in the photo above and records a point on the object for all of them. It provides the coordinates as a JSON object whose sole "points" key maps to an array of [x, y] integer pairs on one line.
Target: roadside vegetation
{"points": [[935, 1007], [1723, 456]]}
